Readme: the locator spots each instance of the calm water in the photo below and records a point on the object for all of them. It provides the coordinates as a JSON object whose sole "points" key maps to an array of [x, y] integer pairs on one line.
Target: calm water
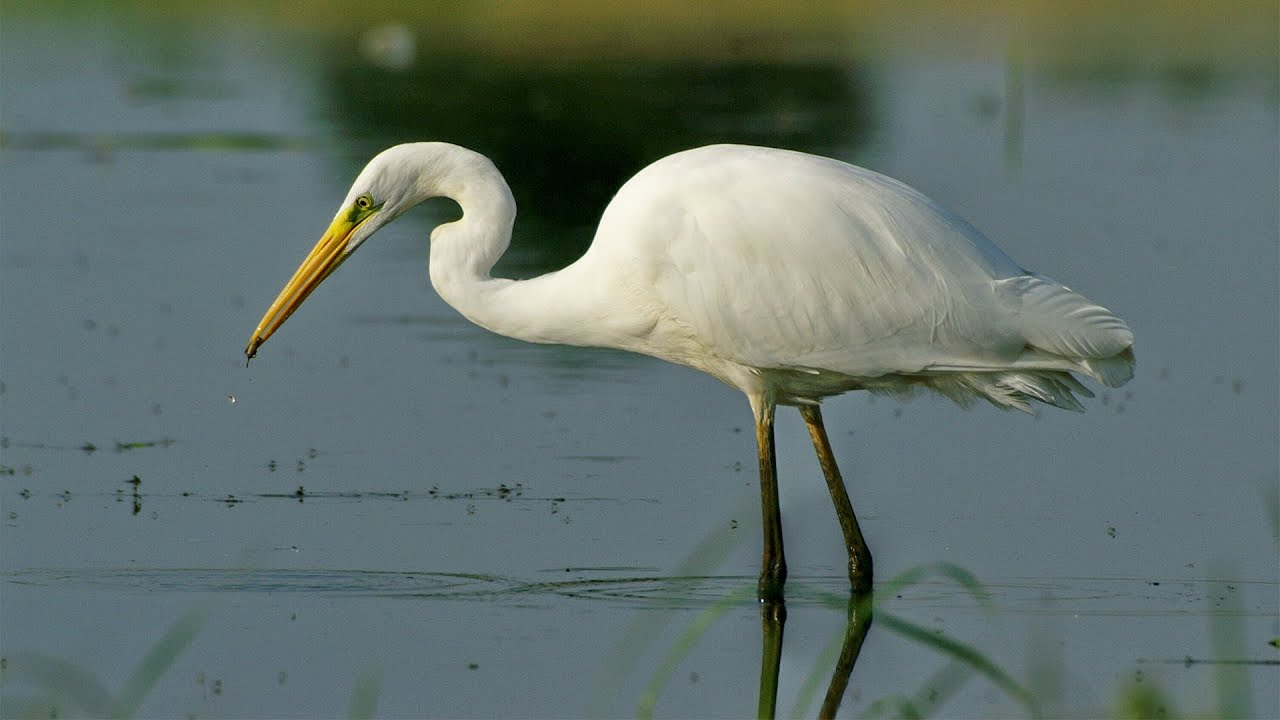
{"points": [[393, 510]]}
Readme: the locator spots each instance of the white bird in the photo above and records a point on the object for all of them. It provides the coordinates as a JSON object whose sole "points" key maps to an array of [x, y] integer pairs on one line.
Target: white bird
{"points": [[789, 276]]}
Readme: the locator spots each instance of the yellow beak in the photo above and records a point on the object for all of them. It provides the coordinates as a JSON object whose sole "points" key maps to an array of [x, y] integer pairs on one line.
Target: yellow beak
{"points": [[327, 255]]}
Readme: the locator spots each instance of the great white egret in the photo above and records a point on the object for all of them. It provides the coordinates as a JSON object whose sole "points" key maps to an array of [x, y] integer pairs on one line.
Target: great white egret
{"points": [[789, 276]]}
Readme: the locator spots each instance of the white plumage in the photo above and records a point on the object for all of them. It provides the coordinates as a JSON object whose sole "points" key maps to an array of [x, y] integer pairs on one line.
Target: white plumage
{"points": [[820, 277], [789, 276]]}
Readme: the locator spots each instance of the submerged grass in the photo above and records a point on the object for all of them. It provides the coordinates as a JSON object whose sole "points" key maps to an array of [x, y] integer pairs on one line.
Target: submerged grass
{"points": [[63, 689], [364, 695], [56, 688], [48, 686], [963, 660], [1138, 697], [159, 659], [687, 640], [962, 656], [1227, 640]]}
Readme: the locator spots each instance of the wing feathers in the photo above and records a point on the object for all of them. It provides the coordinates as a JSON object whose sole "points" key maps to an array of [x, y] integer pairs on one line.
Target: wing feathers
{"points": [[1054, 318]]}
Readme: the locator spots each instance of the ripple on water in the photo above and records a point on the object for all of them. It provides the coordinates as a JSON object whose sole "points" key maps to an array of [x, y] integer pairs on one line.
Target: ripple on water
{"points": [[652, 591], [646, 591], [315, 581], [627, 587]]}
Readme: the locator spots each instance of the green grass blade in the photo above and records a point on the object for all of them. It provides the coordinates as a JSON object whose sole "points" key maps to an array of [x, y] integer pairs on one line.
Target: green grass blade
{"points": [[821, 667], [1227, 640], [158, 660], [647, 627], [59, 683], [911, 576], [962, 653], [697, 628], [364, 695]]}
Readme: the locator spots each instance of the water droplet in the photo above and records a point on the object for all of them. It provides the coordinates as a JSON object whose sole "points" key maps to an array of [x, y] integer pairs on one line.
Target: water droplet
{"points": [[232, 398]]}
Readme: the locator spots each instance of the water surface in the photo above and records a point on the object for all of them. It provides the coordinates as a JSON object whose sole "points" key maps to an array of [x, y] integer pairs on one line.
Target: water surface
{"points": [[391, 501]]}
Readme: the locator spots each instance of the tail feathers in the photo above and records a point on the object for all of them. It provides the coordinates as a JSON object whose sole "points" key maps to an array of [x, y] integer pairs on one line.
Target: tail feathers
{"points": [[1111, 371], [1006, 389], [1064, 333], [1018, 389]]}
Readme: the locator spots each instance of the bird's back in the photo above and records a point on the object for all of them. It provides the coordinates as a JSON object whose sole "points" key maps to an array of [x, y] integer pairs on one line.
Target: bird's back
{"points": [[822, 277]]}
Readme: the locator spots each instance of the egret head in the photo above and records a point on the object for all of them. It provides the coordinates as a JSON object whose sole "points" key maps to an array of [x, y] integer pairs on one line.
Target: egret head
{"points": [[384, 190], [394, 181]]}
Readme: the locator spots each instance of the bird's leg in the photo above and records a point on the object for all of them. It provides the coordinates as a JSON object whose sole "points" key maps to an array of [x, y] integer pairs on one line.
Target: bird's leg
{"points": [[859, 555], [855, 632], [773, 567], [773, 617]]}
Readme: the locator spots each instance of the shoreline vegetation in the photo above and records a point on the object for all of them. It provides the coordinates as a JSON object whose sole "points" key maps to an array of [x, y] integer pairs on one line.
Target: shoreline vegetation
{"points": [[1239, 34]]}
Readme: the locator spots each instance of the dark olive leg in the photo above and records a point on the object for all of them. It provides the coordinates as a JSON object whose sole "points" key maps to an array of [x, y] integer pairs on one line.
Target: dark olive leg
{"points": [[773, 567], [855, 631], [773, 616], [859, 555]]}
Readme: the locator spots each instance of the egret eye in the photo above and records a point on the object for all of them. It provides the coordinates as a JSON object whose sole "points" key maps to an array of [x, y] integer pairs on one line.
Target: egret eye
{"points": [[364, 202]]}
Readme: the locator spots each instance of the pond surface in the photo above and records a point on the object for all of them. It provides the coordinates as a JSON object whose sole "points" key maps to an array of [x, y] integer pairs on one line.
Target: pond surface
{"points": [[394, 512]]}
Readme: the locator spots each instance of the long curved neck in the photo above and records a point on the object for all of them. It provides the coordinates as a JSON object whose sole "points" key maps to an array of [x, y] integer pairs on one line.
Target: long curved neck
{"points": [[553, 308]]}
